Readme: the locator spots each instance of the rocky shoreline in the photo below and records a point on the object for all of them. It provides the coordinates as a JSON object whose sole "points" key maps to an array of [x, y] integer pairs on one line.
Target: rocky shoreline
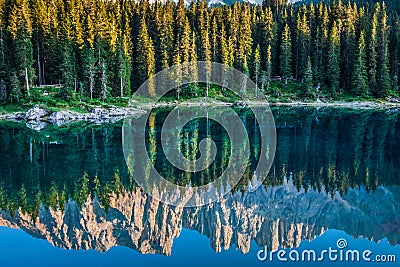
{"points": [[38, 118]]}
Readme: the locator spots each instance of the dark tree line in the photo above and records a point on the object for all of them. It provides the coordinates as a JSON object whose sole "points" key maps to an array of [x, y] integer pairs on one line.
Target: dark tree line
{"points": [[101, 49]]}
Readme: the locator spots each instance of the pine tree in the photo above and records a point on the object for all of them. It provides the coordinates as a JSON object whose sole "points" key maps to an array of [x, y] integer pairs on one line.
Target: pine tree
{"points": [[227, 50], [373, 44], [383, 73], [215, 49], [15, 87], [360, 75], [103, 80], [166, 40], [334, 60], [257, 65], [67, 71], [177, 60], [145, 60], [302, 42], [308, 80], [322, 73], [348, 45], [266, 79], [267, 35], [203, 28], [193, 71], [286, 54], [20, 27], [90, 70], [4, 68], [245, 40]]}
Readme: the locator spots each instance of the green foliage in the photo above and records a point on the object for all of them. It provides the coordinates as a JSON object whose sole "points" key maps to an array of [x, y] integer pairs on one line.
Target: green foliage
{"points": [[360, 75], [286, 54], [308, 81], [334, 60], [104, 49]]}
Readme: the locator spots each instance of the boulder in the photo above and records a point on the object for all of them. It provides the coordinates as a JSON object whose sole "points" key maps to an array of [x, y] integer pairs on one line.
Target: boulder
{"points": [[36, 113], [65, 116], [16, 116]]}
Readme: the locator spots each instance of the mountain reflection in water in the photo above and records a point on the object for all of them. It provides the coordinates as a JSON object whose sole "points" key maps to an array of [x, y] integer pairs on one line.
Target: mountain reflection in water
{"points": [[333, 169]]}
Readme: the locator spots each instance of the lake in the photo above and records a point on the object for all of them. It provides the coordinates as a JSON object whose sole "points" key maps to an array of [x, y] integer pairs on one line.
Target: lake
{"points": [[67, 197]]}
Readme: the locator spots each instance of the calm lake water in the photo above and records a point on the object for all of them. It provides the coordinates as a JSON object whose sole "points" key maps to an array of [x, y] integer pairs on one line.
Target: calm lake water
{"points": [[68, 199]]}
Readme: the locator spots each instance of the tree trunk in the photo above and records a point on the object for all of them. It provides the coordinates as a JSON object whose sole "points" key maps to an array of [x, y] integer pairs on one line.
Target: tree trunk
{"points": [[39, 68], [122, 89], [27, 81]]}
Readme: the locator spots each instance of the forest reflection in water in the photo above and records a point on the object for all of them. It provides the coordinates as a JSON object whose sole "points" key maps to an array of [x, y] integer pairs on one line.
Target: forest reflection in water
{"points": [[333, 168]]}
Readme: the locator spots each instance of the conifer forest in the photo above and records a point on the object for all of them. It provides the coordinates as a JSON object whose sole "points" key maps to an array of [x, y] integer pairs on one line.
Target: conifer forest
{"points": [[96, 49]]}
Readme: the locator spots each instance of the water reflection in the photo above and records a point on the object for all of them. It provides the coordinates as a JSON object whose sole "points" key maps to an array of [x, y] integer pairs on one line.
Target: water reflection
{"points": [[334, 169]]}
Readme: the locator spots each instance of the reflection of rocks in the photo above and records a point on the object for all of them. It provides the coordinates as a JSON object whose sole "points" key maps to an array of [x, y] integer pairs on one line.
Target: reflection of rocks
{"points": [[37, 117], [280, 216], [36, 125]]}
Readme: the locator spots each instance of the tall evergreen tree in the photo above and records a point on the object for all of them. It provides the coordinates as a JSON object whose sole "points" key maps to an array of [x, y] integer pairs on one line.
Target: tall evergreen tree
{"points": [[348, 45], [227, 49], [266, 76], [67, 71], [103, 80], [89, 69], [145, 60], [302, 42], [360, 75], [334, 60], [308, 80], [20, 27], [4, 68], [286, 54], [373, 46], [257, 65], [383, 71]]}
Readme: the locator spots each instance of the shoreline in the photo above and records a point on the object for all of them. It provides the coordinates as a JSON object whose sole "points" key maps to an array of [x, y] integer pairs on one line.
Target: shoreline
{"points": [[38, 118], [331, 104]]}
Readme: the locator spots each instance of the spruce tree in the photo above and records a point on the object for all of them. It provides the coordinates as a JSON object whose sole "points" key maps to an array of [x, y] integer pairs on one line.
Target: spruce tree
{"points": [[4, 68], [145, 59], [89, 70], [373, 46], [267, 34], [334, 60], [360, 75], [20, 27], [308, 87], [227, 49], [268, 69], [103, 80], [257, 65], [245, 40], [302, 43], [286, 54], [383, 69], [67, 70], [348, 45], [166, 40]]}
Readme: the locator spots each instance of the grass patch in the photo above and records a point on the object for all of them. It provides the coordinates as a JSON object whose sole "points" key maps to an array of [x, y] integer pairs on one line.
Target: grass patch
{"points": [[278, 91]]}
